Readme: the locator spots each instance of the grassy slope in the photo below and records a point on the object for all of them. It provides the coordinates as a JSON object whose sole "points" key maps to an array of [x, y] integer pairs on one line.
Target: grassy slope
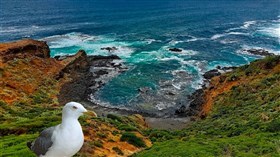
{"points": [[29, 112], [244, 121]]}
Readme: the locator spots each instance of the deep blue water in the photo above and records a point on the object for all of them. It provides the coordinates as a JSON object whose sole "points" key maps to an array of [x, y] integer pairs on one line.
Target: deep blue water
{"points": [[210, 32]]}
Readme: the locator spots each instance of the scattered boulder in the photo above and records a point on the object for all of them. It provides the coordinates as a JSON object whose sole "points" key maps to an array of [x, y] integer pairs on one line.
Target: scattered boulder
{"points": [[181, 110], [144, 89], [175, 49], [111, 57], [216, 72], [261, 52], [211, 73], [171, 93], [109, 49], [60, 58]]}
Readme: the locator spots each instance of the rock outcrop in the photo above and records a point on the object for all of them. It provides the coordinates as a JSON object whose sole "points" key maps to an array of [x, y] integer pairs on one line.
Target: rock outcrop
{"points": [[217, 72], [197, 99], [260, 52], [175, 49], [211, 73], [88, 73], [23, 49], [109, 49]]}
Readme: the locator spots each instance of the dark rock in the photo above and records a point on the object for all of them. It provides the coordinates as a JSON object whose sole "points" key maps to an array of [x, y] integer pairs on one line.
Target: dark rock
{"points": [[212, 73], [217, 72], [181, 110], [171, 93], [109, 49], [196, 103], [261, 52], [88, 74], [112, 57], [144, 89], [175, 50], [60, 58], [228, 68], [56, 57]]}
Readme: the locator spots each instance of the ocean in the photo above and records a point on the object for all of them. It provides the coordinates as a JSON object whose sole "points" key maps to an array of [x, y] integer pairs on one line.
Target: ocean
{"points": [[209, 32]]}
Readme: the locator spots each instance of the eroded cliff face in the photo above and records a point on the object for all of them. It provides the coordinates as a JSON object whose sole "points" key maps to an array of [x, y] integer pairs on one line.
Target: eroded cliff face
{"points": [[30, 84], [25, 65], [242, 76], [24, 48]]}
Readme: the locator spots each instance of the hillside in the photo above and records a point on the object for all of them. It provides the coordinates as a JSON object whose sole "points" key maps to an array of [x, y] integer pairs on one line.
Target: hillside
{"points": [[242, 108], [30, 84]]}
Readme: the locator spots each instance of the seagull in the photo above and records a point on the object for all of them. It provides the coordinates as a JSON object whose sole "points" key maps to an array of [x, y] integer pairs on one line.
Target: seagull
{"points": [[63, 140]]}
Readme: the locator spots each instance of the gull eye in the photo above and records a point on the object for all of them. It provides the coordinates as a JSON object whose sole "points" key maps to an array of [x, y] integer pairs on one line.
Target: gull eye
{"points": [[74, 107]]}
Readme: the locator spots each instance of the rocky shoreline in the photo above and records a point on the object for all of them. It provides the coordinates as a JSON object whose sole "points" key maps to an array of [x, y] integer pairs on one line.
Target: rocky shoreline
{"points": [[86, 74], [89, 73]]}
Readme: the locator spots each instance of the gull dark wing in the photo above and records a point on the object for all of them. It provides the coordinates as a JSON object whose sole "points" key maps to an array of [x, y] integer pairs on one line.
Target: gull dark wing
{"points": [[41, 145]]}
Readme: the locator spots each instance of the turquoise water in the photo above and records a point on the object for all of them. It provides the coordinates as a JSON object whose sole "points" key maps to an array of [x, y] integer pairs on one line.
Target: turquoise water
{"points": [[210, 33]]}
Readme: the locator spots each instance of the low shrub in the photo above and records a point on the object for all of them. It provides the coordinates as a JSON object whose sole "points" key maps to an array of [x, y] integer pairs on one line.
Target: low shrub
{"points": [[133, 139], [127, 127], [118, 151], [114, 117]]}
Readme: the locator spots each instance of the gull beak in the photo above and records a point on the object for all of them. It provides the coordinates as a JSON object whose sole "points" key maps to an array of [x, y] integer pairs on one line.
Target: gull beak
{"points": [[91, 113]]}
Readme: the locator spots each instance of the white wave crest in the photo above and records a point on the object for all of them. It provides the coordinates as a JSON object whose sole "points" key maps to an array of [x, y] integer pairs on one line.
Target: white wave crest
{"points": [[91, 44], [247, 24], [273, 31], [217, 36]]}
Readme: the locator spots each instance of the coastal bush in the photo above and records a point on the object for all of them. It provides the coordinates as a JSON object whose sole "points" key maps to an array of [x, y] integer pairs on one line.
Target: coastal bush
{"points": [[114, 117], [274, 126], [98, 143], [133, 139], [102, 135], [115, 132], [118, 150], [160, 135], [126, 127]]}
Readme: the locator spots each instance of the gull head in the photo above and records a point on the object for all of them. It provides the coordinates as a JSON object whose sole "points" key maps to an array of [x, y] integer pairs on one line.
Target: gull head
{"points": [[73, 109]]}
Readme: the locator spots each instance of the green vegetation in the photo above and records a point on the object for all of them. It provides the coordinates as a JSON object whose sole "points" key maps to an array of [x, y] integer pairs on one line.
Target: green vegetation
{"points": [[118, 151], [15, 145], [98, 144], [133, 139], [127, 127], [102, 135], [114, 117], [22, 121], [243, 122]]}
